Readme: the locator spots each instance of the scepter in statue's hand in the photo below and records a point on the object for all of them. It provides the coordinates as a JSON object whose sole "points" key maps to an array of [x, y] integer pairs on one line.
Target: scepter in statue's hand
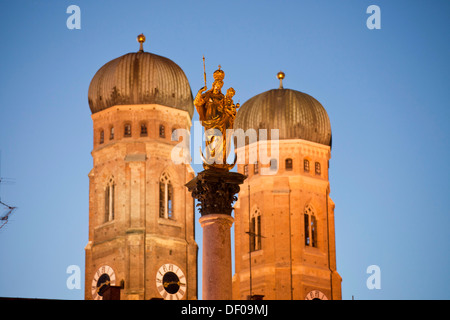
{"points": [[204, 71]]}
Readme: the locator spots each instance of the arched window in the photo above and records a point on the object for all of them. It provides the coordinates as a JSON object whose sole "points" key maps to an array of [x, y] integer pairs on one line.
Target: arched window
{"points": [[162, 131], [144, 132], [255, 230], [306, 165], [111, 133], [109, 200], [288, 164], [317, 168], [174, 136], [165, 197], [246, 169], [273, 164], [102, 136], [310, 227], [127, 130]]}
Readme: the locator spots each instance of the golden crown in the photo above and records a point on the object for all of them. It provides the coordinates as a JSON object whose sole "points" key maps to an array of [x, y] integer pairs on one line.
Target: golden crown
{"points": [[219, 74]]}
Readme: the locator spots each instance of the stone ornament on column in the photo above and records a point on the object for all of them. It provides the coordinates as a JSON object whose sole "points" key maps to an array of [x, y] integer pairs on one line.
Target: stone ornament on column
{"points": [[216, 190]]}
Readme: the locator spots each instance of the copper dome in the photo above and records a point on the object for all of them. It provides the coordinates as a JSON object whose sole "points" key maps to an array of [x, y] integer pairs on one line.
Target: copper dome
{"points": [[297, 115], [140, 78]]}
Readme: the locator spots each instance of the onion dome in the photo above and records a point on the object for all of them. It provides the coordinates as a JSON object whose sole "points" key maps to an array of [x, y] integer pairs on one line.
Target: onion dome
{"points": [[297, 115], [140, 78]]}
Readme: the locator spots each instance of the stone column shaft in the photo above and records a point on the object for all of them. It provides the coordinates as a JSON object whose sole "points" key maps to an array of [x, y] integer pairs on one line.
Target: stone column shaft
{"points": [[216, 256]]}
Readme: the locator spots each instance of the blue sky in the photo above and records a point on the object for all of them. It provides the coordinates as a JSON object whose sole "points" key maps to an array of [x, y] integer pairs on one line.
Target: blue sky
{"points": [[386, 93]]}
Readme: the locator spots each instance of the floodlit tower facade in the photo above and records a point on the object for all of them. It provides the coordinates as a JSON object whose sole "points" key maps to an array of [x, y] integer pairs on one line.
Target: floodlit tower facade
{"points": [[141, 216], [284, 217]]}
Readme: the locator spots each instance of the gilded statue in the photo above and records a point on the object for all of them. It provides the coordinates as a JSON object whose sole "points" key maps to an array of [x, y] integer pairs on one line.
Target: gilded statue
{"points": [[217, 113]]}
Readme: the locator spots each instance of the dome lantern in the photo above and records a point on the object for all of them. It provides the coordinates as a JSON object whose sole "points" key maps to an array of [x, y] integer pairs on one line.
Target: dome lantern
{"points": [[280, 75], [141, 40]]}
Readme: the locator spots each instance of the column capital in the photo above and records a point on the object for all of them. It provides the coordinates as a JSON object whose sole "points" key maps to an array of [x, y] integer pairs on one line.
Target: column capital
{"points": [[216, 190]]}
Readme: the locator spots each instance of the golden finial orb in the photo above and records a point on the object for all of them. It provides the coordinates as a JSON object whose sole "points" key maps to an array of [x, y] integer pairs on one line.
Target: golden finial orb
{"points": [[280, 75], [141, 40]]}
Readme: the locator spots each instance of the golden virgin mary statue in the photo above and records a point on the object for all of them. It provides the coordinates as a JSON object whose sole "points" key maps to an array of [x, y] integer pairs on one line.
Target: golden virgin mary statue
{"points": [[217, 113]]}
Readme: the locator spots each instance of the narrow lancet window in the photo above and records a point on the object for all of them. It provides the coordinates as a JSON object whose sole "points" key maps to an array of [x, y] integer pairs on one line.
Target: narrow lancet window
{"points": [[310, 227], [109, 201], [165, 197], [255, 231]]}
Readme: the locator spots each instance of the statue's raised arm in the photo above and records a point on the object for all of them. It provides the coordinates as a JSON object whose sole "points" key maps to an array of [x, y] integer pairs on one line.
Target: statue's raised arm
{"points": [[199, 103]]}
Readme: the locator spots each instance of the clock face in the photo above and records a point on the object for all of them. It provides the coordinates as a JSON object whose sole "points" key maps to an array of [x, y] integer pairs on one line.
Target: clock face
{"points": [[103, 278], [171, 282], [316, 295]]}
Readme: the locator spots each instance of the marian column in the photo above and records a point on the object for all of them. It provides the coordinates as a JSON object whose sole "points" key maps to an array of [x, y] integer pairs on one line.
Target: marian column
{"points": [[216, 187]]}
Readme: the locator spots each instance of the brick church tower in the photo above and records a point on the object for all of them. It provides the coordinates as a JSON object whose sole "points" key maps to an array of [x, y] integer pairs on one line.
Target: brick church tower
{"points": [[284, 216], [141, 216]]}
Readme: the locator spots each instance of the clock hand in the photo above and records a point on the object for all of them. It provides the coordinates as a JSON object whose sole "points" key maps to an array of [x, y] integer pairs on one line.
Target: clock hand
{"points": [[107, 282], [166, 284]]}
